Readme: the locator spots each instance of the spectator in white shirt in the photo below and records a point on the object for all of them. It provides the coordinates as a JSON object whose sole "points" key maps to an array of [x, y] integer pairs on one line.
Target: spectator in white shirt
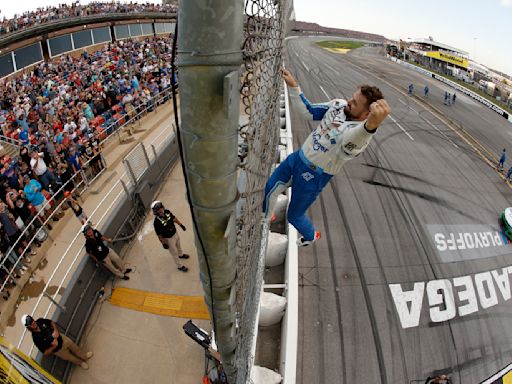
{"points": [[41, 171]]}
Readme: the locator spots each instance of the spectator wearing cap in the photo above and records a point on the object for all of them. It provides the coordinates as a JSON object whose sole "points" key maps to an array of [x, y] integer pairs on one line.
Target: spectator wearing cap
{"points": [[165, 229], [50, 341], [128, 105], [92, 155], [97, 249], [23, 136], [25, 214], [13, 232], [41, 171], [10, 260], [33, 194], [86, 109], [65, 175], [75, 160]]}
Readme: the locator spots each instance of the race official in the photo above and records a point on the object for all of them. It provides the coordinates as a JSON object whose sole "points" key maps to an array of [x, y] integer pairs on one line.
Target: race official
{"points": [[49, 340], [102, 254], [165, 229]]}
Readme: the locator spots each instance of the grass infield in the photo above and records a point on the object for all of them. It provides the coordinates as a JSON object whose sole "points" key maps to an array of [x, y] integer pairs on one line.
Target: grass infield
{"points": [[340, 44]]}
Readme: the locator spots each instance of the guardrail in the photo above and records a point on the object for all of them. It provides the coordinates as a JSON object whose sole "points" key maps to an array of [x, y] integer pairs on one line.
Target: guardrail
{"points": [[115, 128], [10, 140], [82, 178], [290, 324], [122, 186], [455, 85]]}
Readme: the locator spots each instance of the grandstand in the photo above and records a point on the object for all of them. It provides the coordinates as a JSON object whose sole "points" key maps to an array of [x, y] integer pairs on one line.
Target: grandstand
{"points": [[438, 56]]}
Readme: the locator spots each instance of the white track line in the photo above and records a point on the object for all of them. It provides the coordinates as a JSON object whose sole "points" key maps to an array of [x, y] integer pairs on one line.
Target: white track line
{"points": [[323, 90], [402, 128], [432, 125], [408, 106], [441, 132], [331, 68]]}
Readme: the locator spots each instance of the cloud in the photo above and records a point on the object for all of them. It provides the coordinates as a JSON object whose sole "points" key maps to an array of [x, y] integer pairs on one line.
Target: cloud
{"points": [[506, 3]]}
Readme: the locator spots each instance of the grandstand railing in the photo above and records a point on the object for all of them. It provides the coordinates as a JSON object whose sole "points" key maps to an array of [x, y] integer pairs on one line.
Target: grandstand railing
{"points": [[122, 186], [115, 128], [10, 140], [83, 179]]}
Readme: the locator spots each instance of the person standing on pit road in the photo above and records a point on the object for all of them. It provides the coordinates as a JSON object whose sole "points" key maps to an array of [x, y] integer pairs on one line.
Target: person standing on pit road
{"points": [[411, 89], [77, 209], [454, 97], [96, 248], [509, 175], [345, 130], [49, 340], [425, 91], [167, 233], [503, 157]]}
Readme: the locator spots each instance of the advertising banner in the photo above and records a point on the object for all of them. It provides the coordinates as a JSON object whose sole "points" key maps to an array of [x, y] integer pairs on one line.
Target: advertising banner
{"points": [[443, 56], [502, 377]]}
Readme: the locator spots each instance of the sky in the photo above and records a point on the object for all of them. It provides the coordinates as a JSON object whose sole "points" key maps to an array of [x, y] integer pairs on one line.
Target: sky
{"points": [[481, 28]]}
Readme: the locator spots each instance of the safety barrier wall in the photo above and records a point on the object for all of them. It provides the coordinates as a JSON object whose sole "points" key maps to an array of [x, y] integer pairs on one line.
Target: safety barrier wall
{"points": [[290, 322], [84, 287]]}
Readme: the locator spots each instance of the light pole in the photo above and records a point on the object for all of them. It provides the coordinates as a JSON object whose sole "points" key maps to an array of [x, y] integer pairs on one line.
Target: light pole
{"points": [[474, 48]]}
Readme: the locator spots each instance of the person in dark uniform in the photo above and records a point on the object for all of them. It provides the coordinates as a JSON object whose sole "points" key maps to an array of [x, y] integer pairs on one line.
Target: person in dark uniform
{"points": [[49, 340], [167, 233], [96, 248]]}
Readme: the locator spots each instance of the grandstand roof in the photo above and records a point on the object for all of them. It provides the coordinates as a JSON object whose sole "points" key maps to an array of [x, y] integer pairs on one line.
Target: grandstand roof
{"points": [[438, 44]]}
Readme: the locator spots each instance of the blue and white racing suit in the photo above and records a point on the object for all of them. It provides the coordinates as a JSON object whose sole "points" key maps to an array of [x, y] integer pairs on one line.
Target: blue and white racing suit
{"points": [[335, 141]]}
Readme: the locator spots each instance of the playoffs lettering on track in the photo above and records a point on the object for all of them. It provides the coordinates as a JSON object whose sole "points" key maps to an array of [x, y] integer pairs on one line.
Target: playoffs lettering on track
{"points": [[444, 299]]}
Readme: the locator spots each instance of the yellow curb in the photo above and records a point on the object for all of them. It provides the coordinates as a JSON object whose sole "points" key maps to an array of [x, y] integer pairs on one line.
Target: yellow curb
{"points": [[161, 304]]}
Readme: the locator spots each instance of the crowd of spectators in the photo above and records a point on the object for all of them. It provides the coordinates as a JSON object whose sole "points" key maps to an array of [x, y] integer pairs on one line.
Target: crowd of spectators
{"points": [[60, 111], [63, 11]]}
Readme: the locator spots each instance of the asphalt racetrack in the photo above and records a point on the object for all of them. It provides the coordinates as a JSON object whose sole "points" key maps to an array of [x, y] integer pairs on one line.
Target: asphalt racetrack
{"points": [[411, 277]]}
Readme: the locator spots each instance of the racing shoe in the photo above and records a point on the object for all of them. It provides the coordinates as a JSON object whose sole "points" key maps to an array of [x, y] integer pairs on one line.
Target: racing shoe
{"points": [[301, 242]]}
